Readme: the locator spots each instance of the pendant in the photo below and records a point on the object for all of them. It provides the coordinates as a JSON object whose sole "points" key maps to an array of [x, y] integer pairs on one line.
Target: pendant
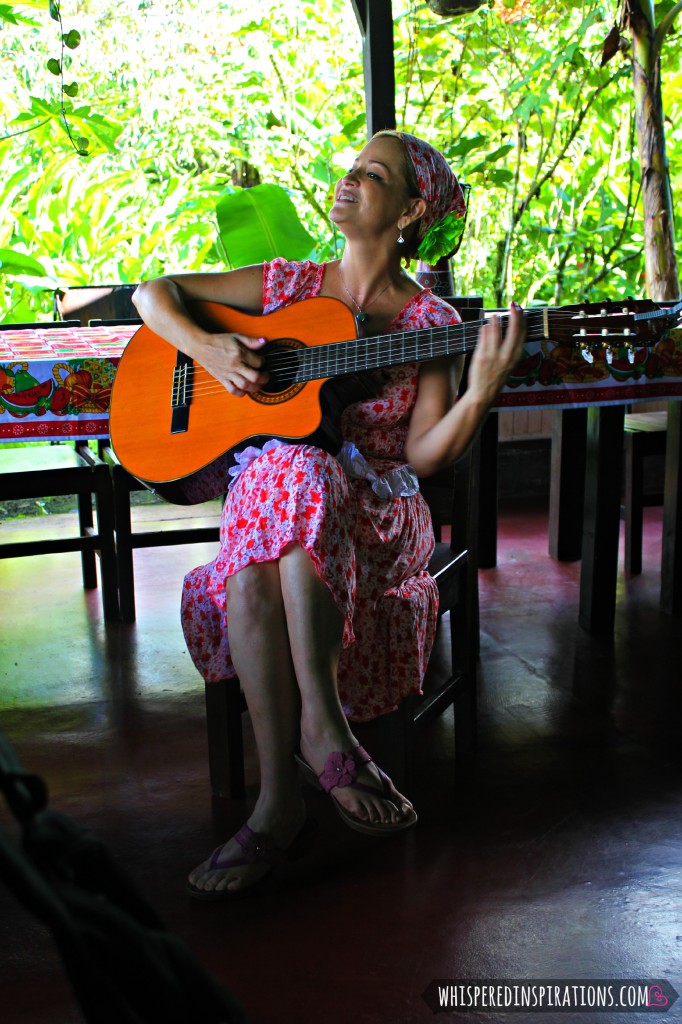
{"points": [[361, 318]]}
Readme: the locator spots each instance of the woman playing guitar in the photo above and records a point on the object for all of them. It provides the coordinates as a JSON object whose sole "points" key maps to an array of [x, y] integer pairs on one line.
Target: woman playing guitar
{"points": [[319, 599]]}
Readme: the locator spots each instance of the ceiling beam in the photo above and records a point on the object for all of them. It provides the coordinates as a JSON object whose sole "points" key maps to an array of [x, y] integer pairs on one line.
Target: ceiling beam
{"points": [[375, 19]]}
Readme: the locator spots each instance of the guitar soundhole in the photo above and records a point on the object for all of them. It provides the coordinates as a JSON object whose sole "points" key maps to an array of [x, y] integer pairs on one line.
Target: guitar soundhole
{"points": [[282, 363]]}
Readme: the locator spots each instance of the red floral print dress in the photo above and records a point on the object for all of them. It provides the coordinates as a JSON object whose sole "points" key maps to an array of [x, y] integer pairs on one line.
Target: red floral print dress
{"points": [[371, 552]]}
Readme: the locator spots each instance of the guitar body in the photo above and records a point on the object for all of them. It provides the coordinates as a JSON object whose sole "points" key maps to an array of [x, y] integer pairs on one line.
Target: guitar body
{"points": [[217, 422]]}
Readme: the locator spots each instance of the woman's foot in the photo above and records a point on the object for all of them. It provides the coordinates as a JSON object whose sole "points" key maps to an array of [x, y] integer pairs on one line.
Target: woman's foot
{"points": [[250, 855], [366, 798]]}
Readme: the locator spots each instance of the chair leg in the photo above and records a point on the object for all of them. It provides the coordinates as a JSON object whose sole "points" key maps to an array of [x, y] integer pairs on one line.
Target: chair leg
{"points": [[634, 500], [85, 526], [224, 708], [465, 706], [464, 649], [124, 543], [107, 548]]}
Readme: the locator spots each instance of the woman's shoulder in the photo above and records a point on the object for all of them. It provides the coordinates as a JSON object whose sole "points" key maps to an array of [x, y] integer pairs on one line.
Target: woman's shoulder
{"points": [[425, 309], [285, 281]]}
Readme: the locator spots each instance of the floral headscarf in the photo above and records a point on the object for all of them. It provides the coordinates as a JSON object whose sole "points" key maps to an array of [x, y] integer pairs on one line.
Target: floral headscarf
{"points": [[443, 193]]}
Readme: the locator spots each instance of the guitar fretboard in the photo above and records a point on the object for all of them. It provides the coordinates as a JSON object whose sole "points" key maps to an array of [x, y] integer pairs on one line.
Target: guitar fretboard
{"points": [[344, 357]]}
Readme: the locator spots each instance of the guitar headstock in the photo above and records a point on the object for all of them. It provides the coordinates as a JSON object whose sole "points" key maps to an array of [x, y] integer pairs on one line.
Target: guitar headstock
{"points": [[610, 326]]}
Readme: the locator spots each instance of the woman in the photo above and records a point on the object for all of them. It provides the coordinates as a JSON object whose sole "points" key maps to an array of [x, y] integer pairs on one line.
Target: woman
{"points": [[321, 568]]}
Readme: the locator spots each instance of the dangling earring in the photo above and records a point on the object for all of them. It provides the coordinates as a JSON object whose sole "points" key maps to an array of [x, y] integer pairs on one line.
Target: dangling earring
{"points": [[401, 240]]}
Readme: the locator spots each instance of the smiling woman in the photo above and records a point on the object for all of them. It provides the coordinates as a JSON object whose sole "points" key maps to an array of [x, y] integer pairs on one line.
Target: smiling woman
{"points": [[319, 598]]}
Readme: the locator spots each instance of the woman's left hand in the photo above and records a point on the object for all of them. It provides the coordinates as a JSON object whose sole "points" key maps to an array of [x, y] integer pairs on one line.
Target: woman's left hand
{"points": [[496, 355]]}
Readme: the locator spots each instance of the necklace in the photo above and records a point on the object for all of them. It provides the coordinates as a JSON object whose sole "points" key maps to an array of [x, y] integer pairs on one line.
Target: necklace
{"points": [[361, 316]]}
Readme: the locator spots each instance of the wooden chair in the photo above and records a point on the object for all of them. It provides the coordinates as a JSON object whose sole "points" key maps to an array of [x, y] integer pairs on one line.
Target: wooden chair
{"points": [[452, 498], [644, 436], [128, 539], [61, 469], [90, 302]]}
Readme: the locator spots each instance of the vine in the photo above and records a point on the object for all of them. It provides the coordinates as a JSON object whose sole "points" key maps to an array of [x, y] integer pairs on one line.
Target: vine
{"points": [[70, 40]]}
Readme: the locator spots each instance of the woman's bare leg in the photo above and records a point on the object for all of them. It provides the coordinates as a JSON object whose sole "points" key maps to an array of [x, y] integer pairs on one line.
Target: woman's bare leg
{"points": [[315, 629], [259, 647]]}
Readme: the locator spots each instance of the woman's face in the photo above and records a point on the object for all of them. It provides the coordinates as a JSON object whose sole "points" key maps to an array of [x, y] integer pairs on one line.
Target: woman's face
{"points": [[373, 195]]}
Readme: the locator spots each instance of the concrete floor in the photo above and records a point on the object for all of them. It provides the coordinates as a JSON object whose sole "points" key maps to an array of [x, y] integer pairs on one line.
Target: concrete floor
{"points": [[557, 856]]}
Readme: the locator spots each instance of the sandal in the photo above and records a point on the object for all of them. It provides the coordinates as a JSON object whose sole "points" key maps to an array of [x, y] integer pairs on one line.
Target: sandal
{"points": [[257, 848], [342, 770]]}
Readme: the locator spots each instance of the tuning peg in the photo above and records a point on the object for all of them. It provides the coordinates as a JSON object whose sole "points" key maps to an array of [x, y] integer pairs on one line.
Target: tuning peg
{"points": [[587, 354], [631, 355], [609, 355]]}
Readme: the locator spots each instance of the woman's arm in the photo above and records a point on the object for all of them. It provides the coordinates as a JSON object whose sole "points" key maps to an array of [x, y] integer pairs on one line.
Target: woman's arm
{"points": [[233, 359], [441, 432]]}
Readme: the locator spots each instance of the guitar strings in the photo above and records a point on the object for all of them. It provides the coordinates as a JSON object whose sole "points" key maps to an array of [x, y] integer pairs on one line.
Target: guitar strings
{"points": [[290, 364]]}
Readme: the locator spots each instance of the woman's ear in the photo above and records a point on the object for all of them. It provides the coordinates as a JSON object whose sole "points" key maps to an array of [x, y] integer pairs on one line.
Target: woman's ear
{"points": [[415, 210]]}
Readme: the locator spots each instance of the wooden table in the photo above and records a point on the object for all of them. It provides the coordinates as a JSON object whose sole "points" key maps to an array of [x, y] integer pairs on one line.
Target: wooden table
{"points": [[55, 385], [587, 449]]}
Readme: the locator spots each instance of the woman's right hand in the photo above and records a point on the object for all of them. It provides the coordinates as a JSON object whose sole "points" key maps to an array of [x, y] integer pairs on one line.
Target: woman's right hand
{"points": [[235, 361]]}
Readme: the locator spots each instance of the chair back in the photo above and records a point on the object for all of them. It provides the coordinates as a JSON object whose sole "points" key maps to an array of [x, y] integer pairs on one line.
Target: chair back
{"points": [[90, 302], [45, 326], [452, 493]]}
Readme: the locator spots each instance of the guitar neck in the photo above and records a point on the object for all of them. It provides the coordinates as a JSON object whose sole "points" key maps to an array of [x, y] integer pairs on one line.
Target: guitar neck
{"points": [[568, 325]]}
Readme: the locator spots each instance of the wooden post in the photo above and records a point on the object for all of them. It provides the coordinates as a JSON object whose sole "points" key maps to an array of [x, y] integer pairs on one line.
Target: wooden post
{"points": [[375, 18]]}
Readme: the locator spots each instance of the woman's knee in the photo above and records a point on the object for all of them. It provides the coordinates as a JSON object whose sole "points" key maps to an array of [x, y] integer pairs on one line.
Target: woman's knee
{"points": [[254, 589]]}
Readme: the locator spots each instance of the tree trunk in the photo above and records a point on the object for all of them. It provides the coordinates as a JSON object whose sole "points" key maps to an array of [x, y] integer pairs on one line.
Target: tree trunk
{"points": [[659, 238]]}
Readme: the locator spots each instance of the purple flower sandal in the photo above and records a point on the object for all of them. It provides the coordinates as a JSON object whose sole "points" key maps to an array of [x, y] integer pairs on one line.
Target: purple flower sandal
{"points": [[342, 770], [257, 848]]}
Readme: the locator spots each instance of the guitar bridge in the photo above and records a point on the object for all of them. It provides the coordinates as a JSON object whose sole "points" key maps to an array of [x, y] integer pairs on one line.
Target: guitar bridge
{"points": [[181, 394]]}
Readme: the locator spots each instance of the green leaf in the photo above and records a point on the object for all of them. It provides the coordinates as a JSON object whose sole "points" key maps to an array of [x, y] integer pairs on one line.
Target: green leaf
{"points": [[500, 177], [101, 132], [464, 146], [260, 223], [54, 10], [493, 157], [7, 14], [71, 89], [353, 127], [15, 263], [54, 66], [72, 39]]}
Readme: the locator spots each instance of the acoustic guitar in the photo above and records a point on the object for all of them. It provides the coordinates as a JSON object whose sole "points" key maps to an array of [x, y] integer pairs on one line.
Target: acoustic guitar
{"points": [[171, 420]]}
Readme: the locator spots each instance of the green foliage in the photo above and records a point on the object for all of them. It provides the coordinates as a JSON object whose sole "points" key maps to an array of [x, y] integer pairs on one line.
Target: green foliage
{"points": [[124, 124], [260, 223]]}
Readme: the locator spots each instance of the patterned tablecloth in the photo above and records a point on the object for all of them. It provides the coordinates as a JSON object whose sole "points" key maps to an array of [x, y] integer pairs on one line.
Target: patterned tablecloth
{"points": [[56, 384], [556, 376]]}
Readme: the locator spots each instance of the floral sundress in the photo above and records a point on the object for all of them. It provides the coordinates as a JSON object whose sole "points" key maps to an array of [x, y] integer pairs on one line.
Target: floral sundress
{"points": [[372, 552]]}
